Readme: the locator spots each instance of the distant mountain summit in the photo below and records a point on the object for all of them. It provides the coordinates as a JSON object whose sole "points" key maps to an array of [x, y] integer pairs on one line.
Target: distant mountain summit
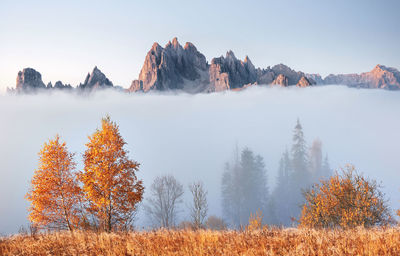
{"points": [[183, 68], [172, 67], [379, 77]]}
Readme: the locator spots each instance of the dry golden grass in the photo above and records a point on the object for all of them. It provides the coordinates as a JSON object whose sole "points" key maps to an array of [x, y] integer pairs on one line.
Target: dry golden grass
{"points": [[205, 242]]}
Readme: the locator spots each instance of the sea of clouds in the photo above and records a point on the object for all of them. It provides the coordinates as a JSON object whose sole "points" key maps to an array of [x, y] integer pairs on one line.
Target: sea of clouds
{"points": [[192, 136]]}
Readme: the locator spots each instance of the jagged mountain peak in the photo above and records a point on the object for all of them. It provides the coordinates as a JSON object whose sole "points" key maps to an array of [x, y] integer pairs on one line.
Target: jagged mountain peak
{"points": [[230, 55], [190, 46], [95, 79], [175, 41], [173, 44], [172, 67], [156, 46], [383, 68]]}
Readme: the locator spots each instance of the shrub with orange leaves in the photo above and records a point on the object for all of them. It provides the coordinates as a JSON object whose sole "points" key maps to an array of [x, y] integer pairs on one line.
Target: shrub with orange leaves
{"points": [[255, 221], [109, 179], [346, 200], [54, 194]]}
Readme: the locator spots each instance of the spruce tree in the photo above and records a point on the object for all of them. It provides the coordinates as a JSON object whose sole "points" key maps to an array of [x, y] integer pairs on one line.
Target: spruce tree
{"points": [[299, 150], [244, 188], [315, 161], [326, 169], [300, 178], [282, 193], [261, 182]]}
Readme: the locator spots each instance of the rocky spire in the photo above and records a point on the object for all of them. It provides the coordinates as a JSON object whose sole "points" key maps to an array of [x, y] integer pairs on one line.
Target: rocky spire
{"points": [[172, 67], [29, 80], [95, 80]]}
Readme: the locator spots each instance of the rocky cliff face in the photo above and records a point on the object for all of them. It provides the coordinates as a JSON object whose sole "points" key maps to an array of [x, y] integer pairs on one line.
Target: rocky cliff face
{"points": [[305, 82], [95, 80], [172, 67], [292, 76], [265, 76], [29, 80], [230, 73], [219, 78], [281, 80]]}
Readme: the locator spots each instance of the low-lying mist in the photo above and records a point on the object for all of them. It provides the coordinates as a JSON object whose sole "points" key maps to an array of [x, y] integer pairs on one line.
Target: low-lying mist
{"points": [[192, 136]]}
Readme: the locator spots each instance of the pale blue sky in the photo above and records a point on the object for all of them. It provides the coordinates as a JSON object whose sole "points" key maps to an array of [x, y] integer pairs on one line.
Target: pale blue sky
{"points": [[65, 40]]}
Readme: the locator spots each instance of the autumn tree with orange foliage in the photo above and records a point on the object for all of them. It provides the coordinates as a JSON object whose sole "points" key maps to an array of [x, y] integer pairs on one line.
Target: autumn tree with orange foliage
{"points": [[398, 214], [54, 192], [109, 179], [346, 201]]}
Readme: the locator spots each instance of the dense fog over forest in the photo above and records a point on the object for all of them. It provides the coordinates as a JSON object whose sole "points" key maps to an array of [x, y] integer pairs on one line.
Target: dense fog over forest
{"points": [[193, 136]]}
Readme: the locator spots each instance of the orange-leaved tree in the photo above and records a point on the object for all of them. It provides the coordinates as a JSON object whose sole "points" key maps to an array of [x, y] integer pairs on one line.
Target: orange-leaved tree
{"points": [[54, 194], [347, 200], [109, 179], [398, 214]]}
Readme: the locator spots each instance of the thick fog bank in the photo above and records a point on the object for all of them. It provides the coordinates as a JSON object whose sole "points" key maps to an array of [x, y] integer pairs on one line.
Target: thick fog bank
{"points": [[192, 136]]}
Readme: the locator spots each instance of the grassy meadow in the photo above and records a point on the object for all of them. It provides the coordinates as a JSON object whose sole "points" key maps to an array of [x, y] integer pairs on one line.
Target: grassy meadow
{"points": [[267, 241]]}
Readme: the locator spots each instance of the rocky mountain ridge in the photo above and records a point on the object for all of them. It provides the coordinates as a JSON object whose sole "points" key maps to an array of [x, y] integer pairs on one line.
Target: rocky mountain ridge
{"points": [[29, 80], [183, 68]]}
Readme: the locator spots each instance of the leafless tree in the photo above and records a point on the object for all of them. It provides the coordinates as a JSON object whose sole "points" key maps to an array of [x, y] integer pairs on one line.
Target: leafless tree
{"points": [[166, 195], [199, 207]]}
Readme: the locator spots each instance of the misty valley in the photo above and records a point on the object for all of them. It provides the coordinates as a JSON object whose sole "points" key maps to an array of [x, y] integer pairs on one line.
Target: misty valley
{"points": [[247, 155]]}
